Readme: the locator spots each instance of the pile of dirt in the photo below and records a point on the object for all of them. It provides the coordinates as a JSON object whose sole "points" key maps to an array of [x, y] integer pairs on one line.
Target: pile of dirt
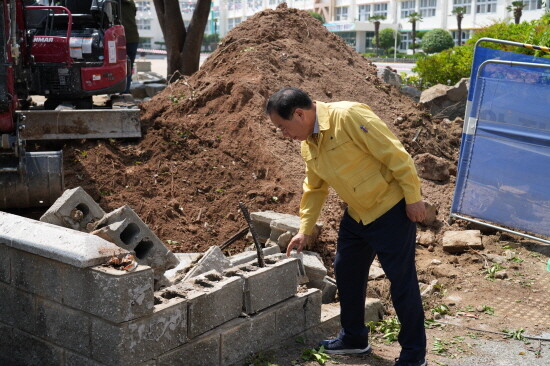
{"points": [[208, 144]]}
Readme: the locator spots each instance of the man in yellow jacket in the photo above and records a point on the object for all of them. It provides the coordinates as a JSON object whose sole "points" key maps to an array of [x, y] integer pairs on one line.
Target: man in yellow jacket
{"points": [[346, 146]]}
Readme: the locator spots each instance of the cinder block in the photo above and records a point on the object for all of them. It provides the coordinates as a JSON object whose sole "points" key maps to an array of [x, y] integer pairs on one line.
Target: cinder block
{"points": [[20, 348], [214, 301], [262, 220], [109, 293], [62, 326], [124, 228], [329, 290], [61, 244], [314, 267], [269, 285], [251, 256], [17, 308], [75, 209], [73, 359], [290, 223], [5, 264], [141, 339], [213, 259], [202, 351], [38, 275], [297, 314], [245, 336], [185, 261]]}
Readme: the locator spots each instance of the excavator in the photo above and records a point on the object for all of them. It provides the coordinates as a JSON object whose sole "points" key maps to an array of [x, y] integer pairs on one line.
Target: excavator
{"points": [[66, 51]]}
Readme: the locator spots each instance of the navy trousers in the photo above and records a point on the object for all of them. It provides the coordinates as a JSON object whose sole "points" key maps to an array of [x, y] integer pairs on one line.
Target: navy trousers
{"points": [[392, 238]]}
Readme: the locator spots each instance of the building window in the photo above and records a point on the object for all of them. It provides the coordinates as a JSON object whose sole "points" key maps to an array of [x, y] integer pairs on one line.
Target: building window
{"points": [[486, 6], [466, 35], [342, 13], [532, 4], [467, 4], [187, 7], [143, 24], [381, 9], [369, 40], [143, 6], [348, 37], [364, 12], [144, 43], [406, 40], [407, 7], [233, 22], [427, 8], [275, 2]]}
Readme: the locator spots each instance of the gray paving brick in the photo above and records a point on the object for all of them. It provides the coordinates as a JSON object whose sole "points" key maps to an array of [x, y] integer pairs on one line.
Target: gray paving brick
{"points": [[54, 242], [202, 351], [75, 209], [21, 349], [62, 326], [5, 263], [109, 293], [141, 339], [243, 337], [211, 306]]}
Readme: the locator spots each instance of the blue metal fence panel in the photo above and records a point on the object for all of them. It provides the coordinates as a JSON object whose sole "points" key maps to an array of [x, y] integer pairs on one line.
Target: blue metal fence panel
{"points": [[504, 166]]}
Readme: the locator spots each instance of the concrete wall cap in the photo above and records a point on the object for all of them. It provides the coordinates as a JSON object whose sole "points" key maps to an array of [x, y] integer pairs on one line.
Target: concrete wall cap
{"points": [[54, 242]]}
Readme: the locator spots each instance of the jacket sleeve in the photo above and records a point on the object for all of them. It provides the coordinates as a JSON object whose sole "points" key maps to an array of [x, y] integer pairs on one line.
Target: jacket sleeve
{"points": [[373, 135], [313, 198]]}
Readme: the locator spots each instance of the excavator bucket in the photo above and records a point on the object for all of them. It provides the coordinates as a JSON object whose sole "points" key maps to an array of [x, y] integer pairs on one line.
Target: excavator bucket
{"points": [[36, 182]]}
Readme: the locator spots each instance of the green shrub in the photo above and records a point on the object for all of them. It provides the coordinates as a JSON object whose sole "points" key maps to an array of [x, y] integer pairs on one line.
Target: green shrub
{"points": [[369, 55], [318, 16], [437, 40], [455, 64], [387, 38]]}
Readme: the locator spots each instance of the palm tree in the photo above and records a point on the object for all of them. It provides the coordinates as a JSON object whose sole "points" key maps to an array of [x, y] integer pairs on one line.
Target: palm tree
{"points": [[376, 19], [459, 12], [413, 19], [517, 8]]}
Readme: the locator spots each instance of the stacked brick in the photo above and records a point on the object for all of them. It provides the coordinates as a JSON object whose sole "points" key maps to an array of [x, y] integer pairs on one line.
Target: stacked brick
{"points": [[62, 306]]}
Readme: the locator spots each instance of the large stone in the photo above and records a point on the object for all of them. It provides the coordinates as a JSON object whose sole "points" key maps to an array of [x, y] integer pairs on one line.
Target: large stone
{"points": [[75, 209], [432, 167], [460, 241], [446, 101], [431, 214], [390, 77], [411, 92], [314, 267], [425, 238]]}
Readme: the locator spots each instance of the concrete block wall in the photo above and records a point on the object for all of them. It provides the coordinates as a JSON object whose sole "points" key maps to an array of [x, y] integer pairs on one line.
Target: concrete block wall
{"points": [[61, 305]]}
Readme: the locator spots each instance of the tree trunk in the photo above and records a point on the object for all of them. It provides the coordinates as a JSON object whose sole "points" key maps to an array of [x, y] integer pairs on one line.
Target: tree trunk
{"points": [[377, 35], [459, 24], [517, 15], [414, 37], [182, 46]]}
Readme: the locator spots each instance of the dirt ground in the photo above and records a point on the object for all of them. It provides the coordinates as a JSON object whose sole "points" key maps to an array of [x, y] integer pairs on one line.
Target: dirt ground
{"points": [[207, 145]]}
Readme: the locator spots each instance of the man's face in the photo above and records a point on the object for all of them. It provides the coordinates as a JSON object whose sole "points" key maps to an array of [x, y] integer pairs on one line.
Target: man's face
{"points": [[296, 128]]}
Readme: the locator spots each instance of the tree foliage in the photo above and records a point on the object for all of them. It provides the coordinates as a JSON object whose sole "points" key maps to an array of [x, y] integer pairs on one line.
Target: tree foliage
{"points": [[437, 40], [459, 13], [318, 16], [414, 18], [376, 19], [387, 38], [455, 64]]}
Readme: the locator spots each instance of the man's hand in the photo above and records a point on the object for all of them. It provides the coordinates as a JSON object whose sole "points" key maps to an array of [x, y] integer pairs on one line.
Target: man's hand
{"points": [[416, 211], [298, 242]]}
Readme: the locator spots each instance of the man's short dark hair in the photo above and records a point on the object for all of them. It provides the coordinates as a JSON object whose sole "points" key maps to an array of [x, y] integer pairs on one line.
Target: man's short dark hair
{"points": [[285, 101]]}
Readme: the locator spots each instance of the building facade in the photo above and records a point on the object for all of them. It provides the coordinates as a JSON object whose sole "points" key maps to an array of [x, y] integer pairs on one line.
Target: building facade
{"points": [[348, 18]]}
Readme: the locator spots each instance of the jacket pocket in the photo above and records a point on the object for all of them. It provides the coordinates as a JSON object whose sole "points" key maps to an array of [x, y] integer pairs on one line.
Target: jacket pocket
{"points": [[368, 189]]}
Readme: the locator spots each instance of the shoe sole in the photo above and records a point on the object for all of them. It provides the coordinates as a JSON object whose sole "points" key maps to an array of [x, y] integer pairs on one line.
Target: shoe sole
{"points": [[349, 351]]}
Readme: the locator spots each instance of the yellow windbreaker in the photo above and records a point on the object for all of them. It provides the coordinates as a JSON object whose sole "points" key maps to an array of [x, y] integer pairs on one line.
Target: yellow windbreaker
{"points": [[355, 153]]}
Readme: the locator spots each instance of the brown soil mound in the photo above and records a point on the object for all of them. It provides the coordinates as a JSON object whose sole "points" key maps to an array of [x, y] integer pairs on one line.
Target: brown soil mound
{"points": [[208, 145]]}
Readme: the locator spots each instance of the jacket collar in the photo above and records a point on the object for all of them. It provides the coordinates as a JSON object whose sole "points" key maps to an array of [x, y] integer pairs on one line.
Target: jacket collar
{"points": [[322, 115]]}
